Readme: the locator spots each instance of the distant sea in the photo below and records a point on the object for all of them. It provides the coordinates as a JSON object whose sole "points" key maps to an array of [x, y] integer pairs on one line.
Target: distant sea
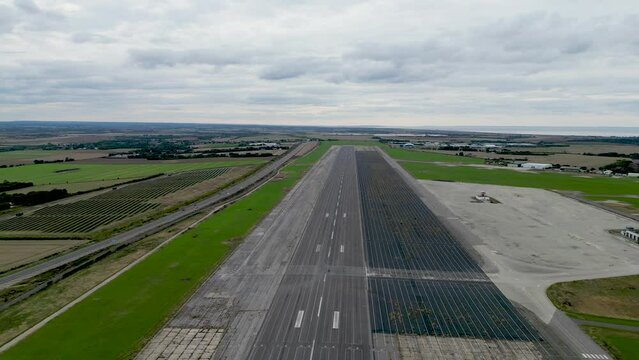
{"points": [[549, 130]]}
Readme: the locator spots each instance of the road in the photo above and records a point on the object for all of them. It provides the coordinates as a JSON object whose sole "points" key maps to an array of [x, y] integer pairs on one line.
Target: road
{"points": [[148, 228], [320, 309]]}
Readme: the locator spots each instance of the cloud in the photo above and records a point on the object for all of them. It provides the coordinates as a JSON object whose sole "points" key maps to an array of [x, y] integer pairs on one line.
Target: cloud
{"points": [[329, 62], [28, 6], [84, 37], [150, 58]]}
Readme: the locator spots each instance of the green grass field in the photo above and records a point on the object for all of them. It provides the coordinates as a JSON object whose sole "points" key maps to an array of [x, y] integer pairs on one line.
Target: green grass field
{"points": [[28, 154], [428, 156], [542, 180], [44, 174], [115, 321], [623, 345]]}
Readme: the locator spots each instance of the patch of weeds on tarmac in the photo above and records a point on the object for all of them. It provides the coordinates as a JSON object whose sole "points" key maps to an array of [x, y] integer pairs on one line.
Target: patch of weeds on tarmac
{"points": [[117, 320]]}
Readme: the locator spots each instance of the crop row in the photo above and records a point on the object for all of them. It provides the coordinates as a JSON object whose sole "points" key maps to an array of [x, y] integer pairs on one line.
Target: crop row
{"points": [[86, 215]]}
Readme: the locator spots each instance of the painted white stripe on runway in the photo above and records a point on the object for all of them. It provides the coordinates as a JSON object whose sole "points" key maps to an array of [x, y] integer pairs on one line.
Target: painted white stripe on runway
{"points": [[332, 234], [312, 349], [319, 308], [318, 247], [334, 220], [341, 248], [335, 319], [324, 278], [326, 215], [298, 321], [329, 251], [344, 215]]}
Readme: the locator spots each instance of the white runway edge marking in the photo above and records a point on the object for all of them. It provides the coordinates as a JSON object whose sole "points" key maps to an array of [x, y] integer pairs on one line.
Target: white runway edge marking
{"points": [[298, 320], [335, 319], [319, 308], [341, 248], [595, 356]]}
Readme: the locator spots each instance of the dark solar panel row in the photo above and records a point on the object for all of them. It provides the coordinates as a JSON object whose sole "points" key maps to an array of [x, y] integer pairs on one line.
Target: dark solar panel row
{"points": [[400, 232]]}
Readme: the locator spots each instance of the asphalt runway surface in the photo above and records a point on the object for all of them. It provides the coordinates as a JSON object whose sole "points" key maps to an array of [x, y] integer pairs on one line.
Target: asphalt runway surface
{"points": [[320, 309], [351, 265], [149, 227]]}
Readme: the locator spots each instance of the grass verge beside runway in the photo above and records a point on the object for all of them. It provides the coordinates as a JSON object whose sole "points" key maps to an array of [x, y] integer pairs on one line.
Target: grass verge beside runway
{"points": [[609, 300], [614, 300], [544, 180], [622, 345], [115, 321]]}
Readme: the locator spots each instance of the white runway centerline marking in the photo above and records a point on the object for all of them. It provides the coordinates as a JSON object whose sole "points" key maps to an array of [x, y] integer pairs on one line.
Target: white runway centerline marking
{"points": [[329, 250], [298, 320], [326, 215], [318, 247], [344, 215], [341, 248], [332, 234], [335, 319], [319, 308]]}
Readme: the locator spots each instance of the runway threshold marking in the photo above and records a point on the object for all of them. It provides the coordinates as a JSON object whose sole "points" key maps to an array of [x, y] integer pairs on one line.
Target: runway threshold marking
{"points": [[335, 319], [298, 320]]}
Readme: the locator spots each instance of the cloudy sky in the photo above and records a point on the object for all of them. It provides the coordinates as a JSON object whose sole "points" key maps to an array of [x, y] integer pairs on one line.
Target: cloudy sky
{"points": [[330, 62]]}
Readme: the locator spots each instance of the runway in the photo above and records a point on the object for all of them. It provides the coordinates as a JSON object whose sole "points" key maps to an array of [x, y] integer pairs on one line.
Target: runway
{"points": [[351, 265], [320, 310]]}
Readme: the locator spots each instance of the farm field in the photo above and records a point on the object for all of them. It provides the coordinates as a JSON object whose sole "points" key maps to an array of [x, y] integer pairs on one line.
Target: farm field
{"points": [[601, 186], [14, 253], [86, 215], [129, 309], [27, 156], [71, 187], [62, 173]]}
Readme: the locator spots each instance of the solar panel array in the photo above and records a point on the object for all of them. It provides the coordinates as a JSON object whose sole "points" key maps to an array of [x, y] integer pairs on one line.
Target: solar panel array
{"points": [[427, 284], [86, 215]]}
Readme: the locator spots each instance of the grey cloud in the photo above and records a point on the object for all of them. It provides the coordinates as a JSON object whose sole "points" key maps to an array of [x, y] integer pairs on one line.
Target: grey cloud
{"points": [[7, 19], [28, 6], [84, 37], [150, 58]]}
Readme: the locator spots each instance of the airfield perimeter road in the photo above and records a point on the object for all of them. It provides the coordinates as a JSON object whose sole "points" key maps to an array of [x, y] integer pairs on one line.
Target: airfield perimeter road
{"points": [[331, 274], [151, 227]]}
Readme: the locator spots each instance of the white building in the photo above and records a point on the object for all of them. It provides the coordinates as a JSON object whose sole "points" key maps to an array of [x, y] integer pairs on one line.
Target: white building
{"points": [[408, 145], [536, 166]]}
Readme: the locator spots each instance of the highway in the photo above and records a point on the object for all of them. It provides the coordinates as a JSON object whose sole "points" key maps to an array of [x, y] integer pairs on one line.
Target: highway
{"points": [[150, 227]]}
